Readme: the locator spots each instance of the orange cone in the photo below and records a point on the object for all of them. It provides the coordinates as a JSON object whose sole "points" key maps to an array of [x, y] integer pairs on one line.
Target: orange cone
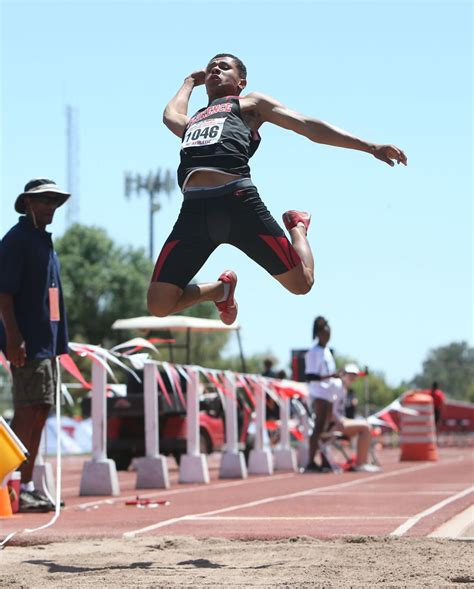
{"points": [[417, 432], [5, 504]]}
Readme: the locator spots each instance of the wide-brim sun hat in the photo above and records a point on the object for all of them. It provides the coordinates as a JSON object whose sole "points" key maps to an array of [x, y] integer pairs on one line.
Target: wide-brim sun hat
{"points": [[40, 186]]}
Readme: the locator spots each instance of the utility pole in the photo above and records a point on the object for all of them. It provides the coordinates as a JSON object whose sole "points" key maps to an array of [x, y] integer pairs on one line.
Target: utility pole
{"points": [[72, 164], [366, 393], [152, 184]]}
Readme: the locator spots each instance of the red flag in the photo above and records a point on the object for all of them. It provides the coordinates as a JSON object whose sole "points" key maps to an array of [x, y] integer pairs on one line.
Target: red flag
{"points": [[388, 418], [68, 363], [241, 381], [214, 380], [161, 384], [176, 379]]}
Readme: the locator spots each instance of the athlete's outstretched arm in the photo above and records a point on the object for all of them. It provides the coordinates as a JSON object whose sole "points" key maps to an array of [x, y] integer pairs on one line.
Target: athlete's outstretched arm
{"points": [[175, 115], [271, 110]]}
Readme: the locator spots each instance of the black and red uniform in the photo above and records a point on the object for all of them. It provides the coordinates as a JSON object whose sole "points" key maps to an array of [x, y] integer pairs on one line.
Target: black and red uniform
{"points": [[217, 138]]}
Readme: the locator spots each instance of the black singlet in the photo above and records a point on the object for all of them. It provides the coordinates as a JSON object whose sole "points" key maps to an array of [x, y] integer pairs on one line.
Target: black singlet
{"points": [[217, 137]]}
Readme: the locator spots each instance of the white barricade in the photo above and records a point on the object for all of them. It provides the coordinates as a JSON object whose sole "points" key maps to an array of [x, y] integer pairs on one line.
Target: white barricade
{"points": [[193, 466], [284, 456], [303, 449], [232, 461], [43, 477], [99, 475], [260, 458], [152, 469]]}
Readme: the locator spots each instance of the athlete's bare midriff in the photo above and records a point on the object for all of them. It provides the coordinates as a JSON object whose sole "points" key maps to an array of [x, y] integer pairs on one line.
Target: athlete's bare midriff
{"points": [[206, 178]]}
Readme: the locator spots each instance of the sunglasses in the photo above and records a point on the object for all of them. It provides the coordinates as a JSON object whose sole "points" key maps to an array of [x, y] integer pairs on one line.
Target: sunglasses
{"points": [[47, 199]]}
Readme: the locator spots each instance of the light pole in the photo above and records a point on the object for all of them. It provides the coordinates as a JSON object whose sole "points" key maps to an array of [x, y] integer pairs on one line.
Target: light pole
{"points": [[153, 184], [366, 393]]}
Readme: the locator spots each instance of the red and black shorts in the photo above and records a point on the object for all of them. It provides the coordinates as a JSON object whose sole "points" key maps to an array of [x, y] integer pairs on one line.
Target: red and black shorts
{"points": [[233, 214]]}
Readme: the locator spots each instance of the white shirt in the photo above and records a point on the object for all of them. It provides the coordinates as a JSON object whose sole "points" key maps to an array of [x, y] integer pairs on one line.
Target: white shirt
{"points": [[319, 360]]}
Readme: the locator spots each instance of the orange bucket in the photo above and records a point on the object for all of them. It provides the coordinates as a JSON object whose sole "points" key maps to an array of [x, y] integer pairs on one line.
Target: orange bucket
{"points": [[12, 451], [418, 432]]}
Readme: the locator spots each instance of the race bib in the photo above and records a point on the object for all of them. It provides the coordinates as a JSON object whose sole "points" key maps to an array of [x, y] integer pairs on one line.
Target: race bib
{"points": [[54, 314], [203, 133]]}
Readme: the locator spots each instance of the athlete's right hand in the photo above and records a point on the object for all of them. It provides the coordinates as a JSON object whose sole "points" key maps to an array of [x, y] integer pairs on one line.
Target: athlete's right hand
{"points": [[16, 350], [198, 77]]}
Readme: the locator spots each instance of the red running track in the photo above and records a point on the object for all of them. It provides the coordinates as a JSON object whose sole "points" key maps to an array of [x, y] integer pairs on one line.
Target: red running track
{"points": [[406, 499]]}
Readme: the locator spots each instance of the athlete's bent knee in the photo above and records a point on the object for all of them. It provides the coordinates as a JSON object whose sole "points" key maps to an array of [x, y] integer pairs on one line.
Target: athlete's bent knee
{"points": [[159, 306], [303, 287], [154, 308]]}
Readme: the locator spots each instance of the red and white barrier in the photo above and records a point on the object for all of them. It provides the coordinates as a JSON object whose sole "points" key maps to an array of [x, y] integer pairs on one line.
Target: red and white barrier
{"points": [[193, 466], [260, 458], [284, 456], [99, 475], [232, 461], [43, 476], [152, 469]]}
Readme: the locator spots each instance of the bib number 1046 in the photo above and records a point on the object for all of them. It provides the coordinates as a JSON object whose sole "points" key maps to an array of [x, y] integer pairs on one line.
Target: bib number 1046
{"points": [[203, 133]]}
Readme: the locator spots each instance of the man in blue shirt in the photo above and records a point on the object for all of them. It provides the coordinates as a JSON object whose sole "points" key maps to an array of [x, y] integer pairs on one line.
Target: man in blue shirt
{"points": [[33, 330]]}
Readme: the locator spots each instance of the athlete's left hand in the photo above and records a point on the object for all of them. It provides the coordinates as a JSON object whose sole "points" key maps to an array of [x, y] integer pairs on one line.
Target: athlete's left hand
{"points": [[388, 153]]}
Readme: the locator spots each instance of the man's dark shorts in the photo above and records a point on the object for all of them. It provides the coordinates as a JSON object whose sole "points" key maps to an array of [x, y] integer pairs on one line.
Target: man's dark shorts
{"points": [[233, 214], [34, 383]]}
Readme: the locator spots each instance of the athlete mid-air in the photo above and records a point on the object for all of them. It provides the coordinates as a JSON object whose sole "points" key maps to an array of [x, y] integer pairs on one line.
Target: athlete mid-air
{"points": [[221, 204]]}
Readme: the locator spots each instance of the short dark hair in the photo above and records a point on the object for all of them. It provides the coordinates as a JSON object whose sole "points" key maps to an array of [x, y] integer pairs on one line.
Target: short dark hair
{"points": [[319, 323], [238, 62]]}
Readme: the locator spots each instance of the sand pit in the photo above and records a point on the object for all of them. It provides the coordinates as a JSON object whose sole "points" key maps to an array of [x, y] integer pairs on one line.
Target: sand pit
{"points": [[294, 562]]}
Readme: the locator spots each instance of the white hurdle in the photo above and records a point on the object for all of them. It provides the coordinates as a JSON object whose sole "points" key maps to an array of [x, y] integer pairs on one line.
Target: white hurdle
{"points": [[260, 458], [193, 466], [43, 476], [99, 475], [232, 461], [284, 456], [152, 469], [303, 449]]}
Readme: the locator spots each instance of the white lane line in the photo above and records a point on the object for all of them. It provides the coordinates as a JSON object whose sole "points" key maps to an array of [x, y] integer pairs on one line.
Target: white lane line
{"points": [[313, 491], [192, 489], [111, 500], [297, 517], [388, 493], [457, 526], [419, 516]]}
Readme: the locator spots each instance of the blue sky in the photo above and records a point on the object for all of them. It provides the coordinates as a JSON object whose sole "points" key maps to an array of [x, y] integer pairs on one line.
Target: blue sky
{"points": [[393, 247]]}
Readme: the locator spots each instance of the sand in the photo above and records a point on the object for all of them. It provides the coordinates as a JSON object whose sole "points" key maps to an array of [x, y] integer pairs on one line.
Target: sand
{"points": [[169, 561]]}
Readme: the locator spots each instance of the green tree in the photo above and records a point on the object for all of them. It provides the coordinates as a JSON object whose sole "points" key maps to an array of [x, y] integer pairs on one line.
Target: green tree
{"points": [[452, 367], [102, 282]]}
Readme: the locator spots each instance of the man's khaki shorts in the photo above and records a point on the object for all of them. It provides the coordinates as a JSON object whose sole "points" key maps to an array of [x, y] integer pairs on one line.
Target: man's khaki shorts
{"points": [[34, 383]]}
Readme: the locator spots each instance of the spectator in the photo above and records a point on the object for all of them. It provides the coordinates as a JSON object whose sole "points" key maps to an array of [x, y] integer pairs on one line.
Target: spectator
{"points": [[268, 368], [352, 427], [320, 371], [439, 400], [33, 326], [351, 403]]}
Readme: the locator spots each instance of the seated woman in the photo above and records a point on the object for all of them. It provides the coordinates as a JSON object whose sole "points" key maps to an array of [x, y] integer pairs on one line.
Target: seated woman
{"points": [[351, 427]]}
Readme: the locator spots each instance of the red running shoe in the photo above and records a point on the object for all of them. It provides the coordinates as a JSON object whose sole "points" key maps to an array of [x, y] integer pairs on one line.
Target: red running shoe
{"points": [[228, 308], [292, 218]]}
